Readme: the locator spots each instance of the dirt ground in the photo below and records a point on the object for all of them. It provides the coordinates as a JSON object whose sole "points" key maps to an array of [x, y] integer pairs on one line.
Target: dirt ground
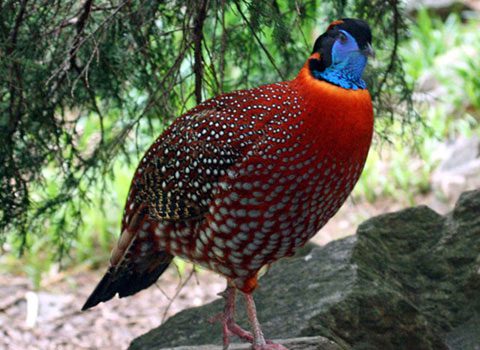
{"points": [[50, 318]]}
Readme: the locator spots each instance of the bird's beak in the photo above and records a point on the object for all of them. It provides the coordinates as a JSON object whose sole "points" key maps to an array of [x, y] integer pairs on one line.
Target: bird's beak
{"points": [[368, 51]]}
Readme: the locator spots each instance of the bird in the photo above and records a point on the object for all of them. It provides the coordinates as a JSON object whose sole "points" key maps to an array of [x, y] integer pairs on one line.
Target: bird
{"points": [[247, 177]]}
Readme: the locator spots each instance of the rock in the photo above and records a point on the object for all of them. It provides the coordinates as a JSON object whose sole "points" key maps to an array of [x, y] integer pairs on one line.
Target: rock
{"points": [[466, 336], [442, 8], [406, 280], [459, 169], [305, 343], [428, 88]]}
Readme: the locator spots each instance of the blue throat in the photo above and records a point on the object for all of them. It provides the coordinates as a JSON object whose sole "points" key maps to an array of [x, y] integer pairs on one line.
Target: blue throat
{"points": [[346, 74]]}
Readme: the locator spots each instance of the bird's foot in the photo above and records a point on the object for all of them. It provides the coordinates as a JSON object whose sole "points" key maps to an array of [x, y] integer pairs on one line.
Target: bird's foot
{"points": [[235, 329], [269, 346], [230, 327]]}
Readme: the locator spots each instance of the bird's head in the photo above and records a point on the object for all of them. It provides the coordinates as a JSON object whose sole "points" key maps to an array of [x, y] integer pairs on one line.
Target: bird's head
{"points": [[341, 53]]}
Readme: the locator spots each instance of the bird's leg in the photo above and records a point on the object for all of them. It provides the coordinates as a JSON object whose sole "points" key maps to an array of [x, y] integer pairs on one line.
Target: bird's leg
{"points": [[252, 317], [259, 342], [229, 315], [229, 326]]}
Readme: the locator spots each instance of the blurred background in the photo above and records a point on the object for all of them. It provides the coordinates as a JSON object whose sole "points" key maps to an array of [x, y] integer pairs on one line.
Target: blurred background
{"points": [[85, 88]]}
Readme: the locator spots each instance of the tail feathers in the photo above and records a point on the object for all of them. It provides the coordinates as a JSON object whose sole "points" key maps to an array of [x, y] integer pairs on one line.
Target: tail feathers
{"points": [[127, 279]]}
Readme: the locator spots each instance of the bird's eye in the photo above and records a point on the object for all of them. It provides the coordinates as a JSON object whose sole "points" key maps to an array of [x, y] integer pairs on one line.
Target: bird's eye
{"points": [[343, 38]]}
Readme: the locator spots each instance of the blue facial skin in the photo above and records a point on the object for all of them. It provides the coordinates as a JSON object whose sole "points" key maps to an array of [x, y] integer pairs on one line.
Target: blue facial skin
{"points": [[348, 63]]}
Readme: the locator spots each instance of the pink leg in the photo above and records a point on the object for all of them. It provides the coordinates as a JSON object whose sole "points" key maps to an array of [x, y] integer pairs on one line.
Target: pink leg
{"points": [[259, 342], [229, 326]]}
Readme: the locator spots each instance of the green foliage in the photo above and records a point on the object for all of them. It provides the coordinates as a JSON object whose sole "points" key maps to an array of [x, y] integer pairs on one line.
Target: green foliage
{"points": [[471, 81]]}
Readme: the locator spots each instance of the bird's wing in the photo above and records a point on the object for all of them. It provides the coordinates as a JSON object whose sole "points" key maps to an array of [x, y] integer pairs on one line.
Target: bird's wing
{"points": [[177, 176]]}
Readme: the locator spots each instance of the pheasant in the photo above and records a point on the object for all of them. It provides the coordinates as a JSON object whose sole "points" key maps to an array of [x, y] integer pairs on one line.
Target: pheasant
{"points": [[247, 177]]}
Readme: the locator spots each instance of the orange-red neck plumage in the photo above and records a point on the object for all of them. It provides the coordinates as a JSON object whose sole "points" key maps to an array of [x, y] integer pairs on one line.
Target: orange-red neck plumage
{"points": [[337, 117]]}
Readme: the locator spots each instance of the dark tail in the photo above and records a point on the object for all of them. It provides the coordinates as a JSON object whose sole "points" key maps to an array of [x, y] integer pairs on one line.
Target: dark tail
{"points": [[129, 278]]}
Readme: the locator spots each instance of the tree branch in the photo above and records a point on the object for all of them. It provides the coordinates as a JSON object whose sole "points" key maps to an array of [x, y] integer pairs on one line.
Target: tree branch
{"points": [[396, 42], [201, 14]]}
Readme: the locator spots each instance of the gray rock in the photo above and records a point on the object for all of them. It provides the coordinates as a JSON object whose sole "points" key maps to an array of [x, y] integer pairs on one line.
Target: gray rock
{"points": [[305, 343], [441, 7], [407, 280], [459, 169], [466, 336]]}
